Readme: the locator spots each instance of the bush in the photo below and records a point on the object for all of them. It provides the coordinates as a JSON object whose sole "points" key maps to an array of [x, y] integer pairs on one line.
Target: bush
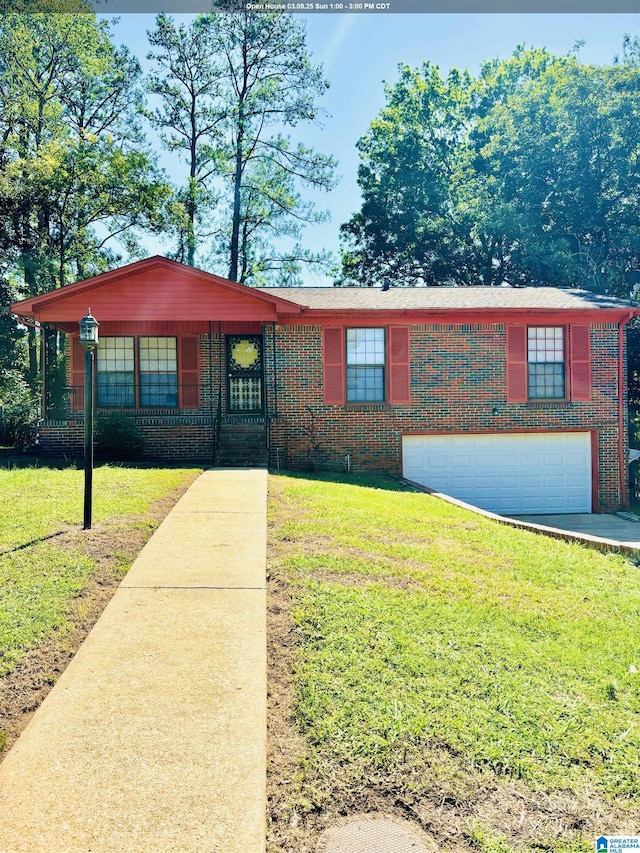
{"points": [[18, 411], [118, 437]]}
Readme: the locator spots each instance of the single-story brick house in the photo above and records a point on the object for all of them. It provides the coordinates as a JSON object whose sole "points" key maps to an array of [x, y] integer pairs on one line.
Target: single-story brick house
{"points": [[512, 398]]}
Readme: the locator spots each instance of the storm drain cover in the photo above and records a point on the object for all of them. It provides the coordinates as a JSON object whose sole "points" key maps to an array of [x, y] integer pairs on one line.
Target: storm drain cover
{"points": [[375, 833]]}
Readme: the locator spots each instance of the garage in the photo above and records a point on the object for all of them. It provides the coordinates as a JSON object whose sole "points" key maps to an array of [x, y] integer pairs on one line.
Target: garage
{"points": [[507, 473]]}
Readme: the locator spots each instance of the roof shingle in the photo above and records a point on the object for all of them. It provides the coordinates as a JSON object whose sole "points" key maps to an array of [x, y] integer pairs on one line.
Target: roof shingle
{"points": [[443, 298]]}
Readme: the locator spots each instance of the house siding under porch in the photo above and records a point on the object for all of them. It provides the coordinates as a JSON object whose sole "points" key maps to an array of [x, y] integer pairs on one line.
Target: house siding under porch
{"points": [[170, 434]]}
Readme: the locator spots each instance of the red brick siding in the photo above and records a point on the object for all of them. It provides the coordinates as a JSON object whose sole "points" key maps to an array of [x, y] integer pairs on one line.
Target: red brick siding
{"points": [[186, 438], [458, 377]]}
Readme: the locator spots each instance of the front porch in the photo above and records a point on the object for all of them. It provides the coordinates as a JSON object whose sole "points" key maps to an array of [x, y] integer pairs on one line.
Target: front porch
{"points": [[207, 398]]}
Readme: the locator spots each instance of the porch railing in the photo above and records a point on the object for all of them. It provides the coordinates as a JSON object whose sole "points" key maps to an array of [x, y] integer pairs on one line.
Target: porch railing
{"points": [[167, 398]]}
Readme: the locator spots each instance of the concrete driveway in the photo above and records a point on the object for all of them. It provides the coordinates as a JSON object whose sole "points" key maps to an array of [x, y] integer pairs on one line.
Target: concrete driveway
{"points": [[605, 526]]}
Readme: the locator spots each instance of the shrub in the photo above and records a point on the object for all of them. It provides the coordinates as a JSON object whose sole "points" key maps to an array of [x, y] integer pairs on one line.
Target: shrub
{"points": [[18, 411], [118, 437]]}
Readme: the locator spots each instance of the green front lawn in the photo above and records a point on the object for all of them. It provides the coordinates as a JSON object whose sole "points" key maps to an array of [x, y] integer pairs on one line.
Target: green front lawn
{"points": [[42, 567], [440, 653]]}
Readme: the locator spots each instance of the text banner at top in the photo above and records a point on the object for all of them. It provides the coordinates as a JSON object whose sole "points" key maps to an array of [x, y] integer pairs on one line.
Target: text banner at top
{"points": [[320, 7]]}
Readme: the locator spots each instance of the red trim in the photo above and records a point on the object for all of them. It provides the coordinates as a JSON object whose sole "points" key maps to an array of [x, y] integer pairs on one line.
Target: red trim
{"points": [[230, 327], [152, 328], [33, 305], [512, 431], [455, 316]]}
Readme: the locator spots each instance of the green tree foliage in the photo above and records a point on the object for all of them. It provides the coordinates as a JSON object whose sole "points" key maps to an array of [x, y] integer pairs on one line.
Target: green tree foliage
{"points": [[74, 169], [75, 172], [526, 175], [413, 158], [231, 85], [187, 85]]}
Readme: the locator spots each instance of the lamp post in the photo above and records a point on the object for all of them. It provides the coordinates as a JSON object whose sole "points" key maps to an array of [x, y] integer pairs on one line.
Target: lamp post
{"points": [[89, 340]]}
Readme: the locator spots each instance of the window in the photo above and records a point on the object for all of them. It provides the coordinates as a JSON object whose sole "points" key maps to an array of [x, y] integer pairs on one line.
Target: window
{"points": [[365, 365], [116, 373], [157, 372], [545, 362]]}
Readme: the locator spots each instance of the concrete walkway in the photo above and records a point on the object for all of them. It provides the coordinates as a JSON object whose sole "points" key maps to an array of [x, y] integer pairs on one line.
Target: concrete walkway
{"points": [[154, 738], [609, 527]]}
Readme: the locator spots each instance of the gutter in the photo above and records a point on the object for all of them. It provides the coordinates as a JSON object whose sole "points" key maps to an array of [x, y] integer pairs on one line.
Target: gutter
{"points": [[624, 492], [28, 321]]}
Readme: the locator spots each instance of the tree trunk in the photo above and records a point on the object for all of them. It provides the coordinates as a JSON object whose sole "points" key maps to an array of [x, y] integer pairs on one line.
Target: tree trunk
{"points": [[191, 217], [237, 186], [193, 187]]}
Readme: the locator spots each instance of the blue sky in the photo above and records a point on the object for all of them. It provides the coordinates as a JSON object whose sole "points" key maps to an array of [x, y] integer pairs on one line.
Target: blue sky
{"points": [[361, 51]]}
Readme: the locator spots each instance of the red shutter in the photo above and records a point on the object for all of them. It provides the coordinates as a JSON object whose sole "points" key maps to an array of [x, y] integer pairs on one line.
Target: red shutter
{"points": [[77, 375], [399, 365], [580, 353], [333, 365], [517, 364], [189, 372]]}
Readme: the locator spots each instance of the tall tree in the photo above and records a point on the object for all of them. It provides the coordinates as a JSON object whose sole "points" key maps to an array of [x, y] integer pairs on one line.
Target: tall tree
{"points": [[189, 116], [563, 153], [231, 122], [527, 175], [74, 168], [412, 224], [271, 85]]}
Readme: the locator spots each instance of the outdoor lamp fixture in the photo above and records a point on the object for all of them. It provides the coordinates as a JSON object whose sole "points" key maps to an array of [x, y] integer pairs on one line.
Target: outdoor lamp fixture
{"points": [[89, 340]]}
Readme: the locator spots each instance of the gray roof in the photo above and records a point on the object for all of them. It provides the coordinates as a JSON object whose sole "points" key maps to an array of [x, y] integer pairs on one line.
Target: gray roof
{"points": [[420, 298]]}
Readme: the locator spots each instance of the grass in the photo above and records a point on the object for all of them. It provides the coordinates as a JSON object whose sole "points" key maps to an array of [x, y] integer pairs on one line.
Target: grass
{"points": [[40, 573], [429, 636], [38, 502]]}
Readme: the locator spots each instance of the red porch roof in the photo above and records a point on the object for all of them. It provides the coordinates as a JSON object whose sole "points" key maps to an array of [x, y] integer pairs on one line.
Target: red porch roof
{"points": [[155, 289]]}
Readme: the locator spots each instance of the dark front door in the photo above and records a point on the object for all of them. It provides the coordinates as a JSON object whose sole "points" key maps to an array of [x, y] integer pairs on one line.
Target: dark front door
{"points": [[244, 372]]}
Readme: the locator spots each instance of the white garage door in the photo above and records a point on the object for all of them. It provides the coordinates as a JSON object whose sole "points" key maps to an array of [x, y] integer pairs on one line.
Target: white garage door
{"points": [[507, 473]]}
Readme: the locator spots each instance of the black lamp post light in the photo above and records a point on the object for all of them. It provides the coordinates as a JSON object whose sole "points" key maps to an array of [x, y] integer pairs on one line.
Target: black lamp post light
{"points": [[89, 340]]}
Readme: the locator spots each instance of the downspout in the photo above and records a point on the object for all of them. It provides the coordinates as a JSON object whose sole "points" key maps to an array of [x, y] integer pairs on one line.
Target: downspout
{"points": [[27, 321], [275, 386], [43, 370], [265, 393], [214, 434], [220, 381], [275, 372], [624, 493]]}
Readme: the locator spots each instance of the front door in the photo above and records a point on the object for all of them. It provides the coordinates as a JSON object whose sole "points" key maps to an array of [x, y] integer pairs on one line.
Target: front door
{"points": [[244, 372]]}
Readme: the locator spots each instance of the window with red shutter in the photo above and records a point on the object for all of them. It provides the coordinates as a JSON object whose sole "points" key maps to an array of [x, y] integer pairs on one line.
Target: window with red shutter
{"points": [[399, 365], [546, 365], [366, 358], [333, 365], [189, 372], [517, 364], [580, 362]]}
